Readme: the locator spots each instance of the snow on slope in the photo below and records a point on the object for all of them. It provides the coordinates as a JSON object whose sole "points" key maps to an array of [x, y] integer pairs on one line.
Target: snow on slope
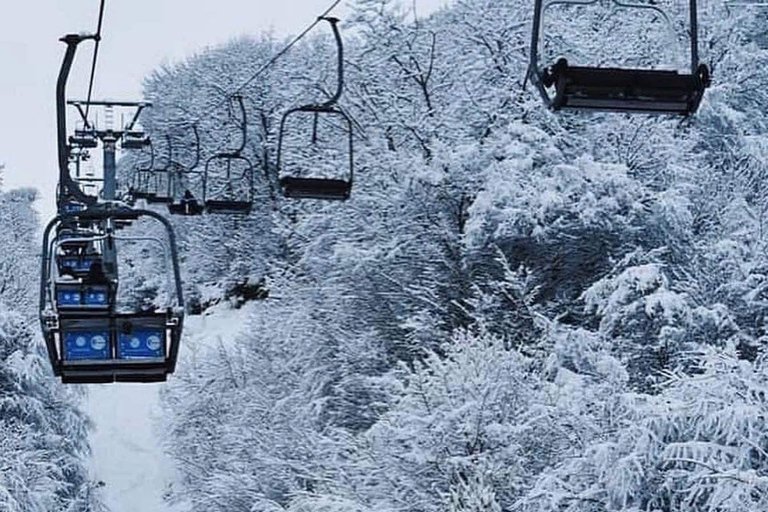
{"points": [[127, 456], [127, 453]]}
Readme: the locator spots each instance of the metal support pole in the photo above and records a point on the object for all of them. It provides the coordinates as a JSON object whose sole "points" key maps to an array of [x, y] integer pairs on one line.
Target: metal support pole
{"points": [[68, 187], [109, 141], [694, 37]]}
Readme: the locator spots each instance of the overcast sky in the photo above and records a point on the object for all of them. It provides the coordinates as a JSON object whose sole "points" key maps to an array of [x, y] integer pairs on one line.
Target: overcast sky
{"points": [[138, 36]]}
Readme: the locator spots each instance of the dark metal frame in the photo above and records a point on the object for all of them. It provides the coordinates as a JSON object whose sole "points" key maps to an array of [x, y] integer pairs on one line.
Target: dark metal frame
{"points": [[328, 107], [68, 189], [154, 195], [51, 319], [541, 76], [213, 205], [181, 205], [143, 175]]}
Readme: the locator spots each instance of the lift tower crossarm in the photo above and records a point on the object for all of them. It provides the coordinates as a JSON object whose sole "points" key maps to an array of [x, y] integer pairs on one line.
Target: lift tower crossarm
{"points": [[138, 105]]}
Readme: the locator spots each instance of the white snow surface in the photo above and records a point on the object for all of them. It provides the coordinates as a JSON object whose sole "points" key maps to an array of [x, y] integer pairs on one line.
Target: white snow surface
{"points": [[126, 446], [126, 451]]}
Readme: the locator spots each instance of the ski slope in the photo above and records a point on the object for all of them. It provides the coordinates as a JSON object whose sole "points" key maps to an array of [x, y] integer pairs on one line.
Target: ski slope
{"points": [[126, 442], [126, 452]]}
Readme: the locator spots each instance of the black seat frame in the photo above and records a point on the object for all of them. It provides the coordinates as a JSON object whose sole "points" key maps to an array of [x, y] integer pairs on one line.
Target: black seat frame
{"points": [[618, 89], [55, 321]]}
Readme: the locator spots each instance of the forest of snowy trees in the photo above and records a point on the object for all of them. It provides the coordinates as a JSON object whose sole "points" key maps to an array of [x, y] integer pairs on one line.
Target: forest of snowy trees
{"points": [[517, 310], [43, 433]]}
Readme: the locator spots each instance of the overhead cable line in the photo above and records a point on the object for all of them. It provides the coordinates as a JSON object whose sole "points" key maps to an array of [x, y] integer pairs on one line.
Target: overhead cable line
{"points": [[269, 63], [97, 38]]}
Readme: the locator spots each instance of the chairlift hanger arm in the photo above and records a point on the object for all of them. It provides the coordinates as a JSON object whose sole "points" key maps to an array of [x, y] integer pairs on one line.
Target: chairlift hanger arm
{"points": [[135, 118], [68, 186], [196, 162], [694, 31], [151, 166], [169, 162], [243, 124], [333, 100], [196, 132], [339, 59]]}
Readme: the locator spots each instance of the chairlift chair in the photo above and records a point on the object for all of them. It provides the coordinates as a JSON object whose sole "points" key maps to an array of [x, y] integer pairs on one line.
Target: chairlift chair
{"points": [[142, 183], [135, 139], [185, 202], [160, 179], [618, 89], [230, 191], [302, 186], [85, 139], [77, 251], [87, 338]]}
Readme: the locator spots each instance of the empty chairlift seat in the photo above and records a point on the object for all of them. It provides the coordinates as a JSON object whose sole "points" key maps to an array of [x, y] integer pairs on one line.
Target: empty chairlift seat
{"points": [[299, 177], [563, 86], [85, 139], [79, 297], [135, 140], [228, 177], [630, 90], [316, 188], [228, 184]]}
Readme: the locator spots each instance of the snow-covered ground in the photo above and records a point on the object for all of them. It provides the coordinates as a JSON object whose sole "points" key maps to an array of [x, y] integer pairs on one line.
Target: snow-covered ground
{"points": [[127, 454]]}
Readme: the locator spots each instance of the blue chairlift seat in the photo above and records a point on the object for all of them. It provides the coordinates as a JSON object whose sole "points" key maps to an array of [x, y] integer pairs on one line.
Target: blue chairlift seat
{"points": [[141, 338], [78, 264], [87, 342], [69, 296], [119, 348], [77, 297], [72, 207]]}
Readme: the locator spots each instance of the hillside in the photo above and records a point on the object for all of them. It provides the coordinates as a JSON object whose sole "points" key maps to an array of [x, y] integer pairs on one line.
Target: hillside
{"points": [[516, 311], [43, 431]]}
